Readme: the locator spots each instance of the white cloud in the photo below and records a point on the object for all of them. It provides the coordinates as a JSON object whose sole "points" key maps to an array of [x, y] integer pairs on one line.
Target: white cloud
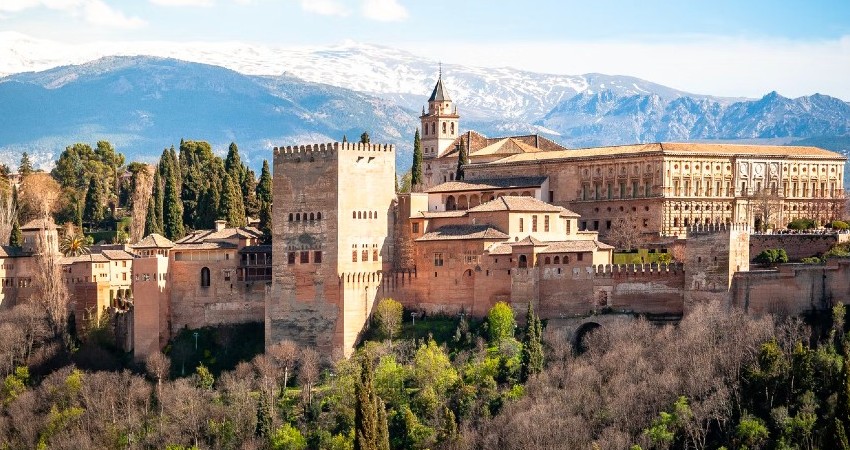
{"points": [[324, 7], [95, 12], [384, 10], [182, 2]]}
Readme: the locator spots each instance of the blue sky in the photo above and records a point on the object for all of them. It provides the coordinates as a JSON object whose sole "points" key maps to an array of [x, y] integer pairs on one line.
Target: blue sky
{"points": [[720, 47]]}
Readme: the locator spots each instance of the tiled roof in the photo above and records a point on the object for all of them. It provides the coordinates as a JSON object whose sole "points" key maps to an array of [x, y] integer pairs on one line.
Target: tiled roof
{"points": [[675, 148], [39, 224], [575, 246], [439, 94], [439, 214], [117, 254], [505, 147], [514, 203], [153, 241], [530, 240], [205, 246], [226, 233], [488, 184], [97, 258], [256, 249], [463, 232], [501, 249], [475, 141]]}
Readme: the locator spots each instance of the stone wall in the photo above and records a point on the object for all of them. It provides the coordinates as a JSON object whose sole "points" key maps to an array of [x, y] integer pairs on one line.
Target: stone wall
{"points": [[798, 246]]}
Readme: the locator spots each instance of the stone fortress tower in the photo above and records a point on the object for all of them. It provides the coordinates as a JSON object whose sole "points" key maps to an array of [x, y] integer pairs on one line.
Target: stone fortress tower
{"points": [[332, 241], [439, 123]]}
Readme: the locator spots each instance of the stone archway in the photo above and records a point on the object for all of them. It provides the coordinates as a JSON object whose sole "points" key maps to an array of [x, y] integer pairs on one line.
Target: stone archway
{"points": [[451, 204], [581, 334]]}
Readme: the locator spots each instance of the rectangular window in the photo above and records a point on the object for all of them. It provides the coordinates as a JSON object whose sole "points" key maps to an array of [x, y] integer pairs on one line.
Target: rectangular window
{"points": [[290, 258], [124, 276], [648, 189], [607, 224], [415, 227], [317, 257], [534, 223], [622, 190], [546, 223], [634, 189], [596, 191], [567, 225], [676, 187], [551, 196], [610, 191], [438, 259], [374, 254], [584, 192], [364, 255], [595, 225], [354, 256], [305, 257], [580, 257], [520, 225], [687, 188]]}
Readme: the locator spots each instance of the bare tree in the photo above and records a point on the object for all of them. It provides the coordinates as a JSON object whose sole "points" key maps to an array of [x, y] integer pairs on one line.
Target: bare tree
{"points": [[766, 206], [308, 373], [285, 354], [38, 195], [144, 187], [624, 234], [8, 215], [48, 280]]}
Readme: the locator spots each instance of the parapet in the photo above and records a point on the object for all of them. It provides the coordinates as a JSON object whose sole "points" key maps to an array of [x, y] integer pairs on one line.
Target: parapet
{"points": [[709, 228], [297, 151], [629, 270]]}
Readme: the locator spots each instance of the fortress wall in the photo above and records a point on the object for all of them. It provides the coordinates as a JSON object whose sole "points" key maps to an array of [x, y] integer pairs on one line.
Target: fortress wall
{"points": [[797, 246], [789, 290]]}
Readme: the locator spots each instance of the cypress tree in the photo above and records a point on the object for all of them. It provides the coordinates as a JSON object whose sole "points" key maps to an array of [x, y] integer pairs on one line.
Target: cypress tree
{"points": [[172, 210], [264, 417], [264, 187], [155, 206], [416, 169], [93, 209], [208, 208], [266, 222], [16, 239], [364, 138], [249, 188], [532, 349], [232, 210], [462, 160], [370, 417]]}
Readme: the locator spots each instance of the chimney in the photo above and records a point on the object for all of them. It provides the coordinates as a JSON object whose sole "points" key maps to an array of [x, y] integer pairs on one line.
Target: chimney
{"points": [[220, 224]]}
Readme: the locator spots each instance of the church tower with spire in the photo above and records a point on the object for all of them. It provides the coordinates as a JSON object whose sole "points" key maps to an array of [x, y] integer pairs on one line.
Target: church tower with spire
{"points": [[439, 123]]}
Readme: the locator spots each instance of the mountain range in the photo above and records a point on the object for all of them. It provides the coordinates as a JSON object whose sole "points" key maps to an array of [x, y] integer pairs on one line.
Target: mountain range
{"points": [[262, 97]]}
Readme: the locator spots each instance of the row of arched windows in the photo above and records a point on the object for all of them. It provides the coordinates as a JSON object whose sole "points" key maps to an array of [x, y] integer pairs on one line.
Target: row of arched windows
{"points": [[302, 217], [434, 128], [364, 214], [557, 260]]}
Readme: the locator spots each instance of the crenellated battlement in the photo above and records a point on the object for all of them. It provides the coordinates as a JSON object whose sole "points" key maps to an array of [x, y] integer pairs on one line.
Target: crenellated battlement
{"points": [[296, 151], [632, 270], [717, 228]]}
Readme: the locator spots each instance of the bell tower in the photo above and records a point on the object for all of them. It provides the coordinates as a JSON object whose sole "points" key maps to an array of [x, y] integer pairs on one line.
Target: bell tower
{"points": [[439, 123]]}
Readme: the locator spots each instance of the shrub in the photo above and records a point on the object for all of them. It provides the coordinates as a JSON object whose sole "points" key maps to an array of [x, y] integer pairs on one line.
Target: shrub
{"points": [[772, 256], [288, 437], [802, 224], [839, 225], [811, 260]]}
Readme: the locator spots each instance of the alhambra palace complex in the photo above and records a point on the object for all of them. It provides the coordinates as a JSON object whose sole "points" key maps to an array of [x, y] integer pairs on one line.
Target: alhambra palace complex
{"points": [[526, 224]]}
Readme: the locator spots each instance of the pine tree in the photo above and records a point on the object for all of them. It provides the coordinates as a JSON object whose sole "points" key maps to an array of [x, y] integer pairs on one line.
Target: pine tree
{"points": [[233, 163], [370, 417], [232, 210], [264, 187], [462, 160], [266, 222], [416, 169], [25, 168], [93, 209], [249, 188], [532, 349], [364, 138], [16, 239]]}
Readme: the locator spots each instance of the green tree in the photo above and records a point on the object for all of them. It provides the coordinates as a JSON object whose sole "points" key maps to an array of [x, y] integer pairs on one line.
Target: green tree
{"points": [[752, 431], [364, 138], [266, 222], [532, 346], [287, 437], [500, 322], [388, 317], [204, 378], [93, 210], [264, 417], [370, 416], [249, 187], [233, 162], [16, 238], [155, 206], [232, 210], [172, 206], [25, 167], [416, 169], [264, 187], [462, 160]]}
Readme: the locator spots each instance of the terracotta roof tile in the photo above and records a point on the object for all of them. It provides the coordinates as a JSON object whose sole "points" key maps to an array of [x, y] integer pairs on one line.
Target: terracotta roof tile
{"points": [[204, 246], [40, 224], [439, 214], [514, 203], [153, 240], [463, 232], [488, 184], [117, 254]]}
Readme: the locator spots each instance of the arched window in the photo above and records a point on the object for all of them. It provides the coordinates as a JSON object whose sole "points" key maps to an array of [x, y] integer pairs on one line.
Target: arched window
{"points": [[312, 217], [297, 217], [318, 216], [566, 259], [290, 217], [434, 128], [444, 128], [353, 214], [359, 215], [370, 214], [557, 260], [375, 214], [453, 128], [523, 261], [547, 261], [205, 277]]}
